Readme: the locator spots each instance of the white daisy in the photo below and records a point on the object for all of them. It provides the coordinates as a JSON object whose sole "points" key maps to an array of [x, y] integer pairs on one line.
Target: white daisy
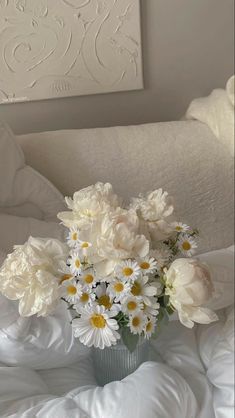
{"points": [[137, 323], [158, 285], [142, 288], [180, 227], [150, 327], [72, 238], [71, 291], [65, 274], [105, 299], [96, 328], [132, 305], [102, 297], [152, 308], [148, 265], [118, 289], [128, 270], [87, 297], [88, 278], [187, 245], [84, 247], [75, 263]]}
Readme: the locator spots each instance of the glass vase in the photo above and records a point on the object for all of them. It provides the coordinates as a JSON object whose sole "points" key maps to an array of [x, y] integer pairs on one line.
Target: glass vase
{"points": [[116, 362]]}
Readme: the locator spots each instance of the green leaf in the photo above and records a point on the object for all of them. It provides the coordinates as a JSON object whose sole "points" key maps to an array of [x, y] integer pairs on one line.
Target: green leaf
{"points": [[170, 309], [130, 340], [195, 232], [166, 300]]}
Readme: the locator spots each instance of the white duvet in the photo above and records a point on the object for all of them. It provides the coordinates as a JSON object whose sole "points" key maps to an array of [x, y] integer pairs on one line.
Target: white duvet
{"points": [[189, 374]]}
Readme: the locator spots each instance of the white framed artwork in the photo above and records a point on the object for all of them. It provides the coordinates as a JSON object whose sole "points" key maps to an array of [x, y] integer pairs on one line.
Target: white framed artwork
{"points": [[60, 48]]}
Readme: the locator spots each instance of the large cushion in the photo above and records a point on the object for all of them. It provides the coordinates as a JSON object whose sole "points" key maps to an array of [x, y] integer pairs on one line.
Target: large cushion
{"points": [[184, 158], [23, 191], [217, 112], [28, 202]]}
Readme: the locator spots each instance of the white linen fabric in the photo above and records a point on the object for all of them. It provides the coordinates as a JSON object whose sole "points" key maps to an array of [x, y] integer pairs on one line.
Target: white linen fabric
{"points": [[217, 112]]}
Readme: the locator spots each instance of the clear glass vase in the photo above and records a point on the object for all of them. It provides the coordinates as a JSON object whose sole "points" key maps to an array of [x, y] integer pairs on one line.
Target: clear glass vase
{"points": [[116, 362]]}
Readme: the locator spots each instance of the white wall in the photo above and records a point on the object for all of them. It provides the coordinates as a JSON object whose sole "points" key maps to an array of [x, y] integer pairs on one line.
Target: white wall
{"points": [[188, 51]]}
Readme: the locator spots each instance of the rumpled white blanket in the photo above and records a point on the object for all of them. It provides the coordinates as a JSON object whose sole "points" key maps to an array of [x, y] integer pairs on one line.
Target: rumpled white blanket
{"points": [[190, 374], [217, 111]]}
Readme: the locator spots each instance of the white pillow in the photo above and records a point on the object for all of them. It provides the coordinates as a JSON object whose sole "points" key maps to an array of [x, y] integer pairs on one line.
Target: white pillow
{"points": [[23, 191], [16, 230], [28, 202]]}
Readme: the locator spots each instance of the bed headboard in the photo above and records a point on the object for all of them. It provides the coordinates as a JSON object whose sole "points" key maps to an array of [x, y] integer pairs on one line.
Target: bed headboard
{"points": [[184, 158]]}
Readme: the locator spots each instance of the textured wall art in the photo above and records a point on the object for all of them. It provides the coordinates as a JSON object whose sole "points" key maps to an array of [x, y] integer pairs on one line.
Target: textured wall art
{"points": [[58, 48]]}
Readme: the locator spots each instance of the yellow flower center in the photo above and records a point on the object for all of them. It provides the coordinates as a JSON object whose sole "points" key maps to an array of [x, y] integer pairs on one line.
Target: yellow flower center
{"points": [[131, 306], [186, 246], [75, 236], [71, 290], [136, 289], [136, 321], [149, 326], [144, 265], [178, 228], [105, 301], [65, 277], [84, 298], [127, 271], [97, 321], [85, 245], [77, 263], [88, 213], [88, 278], [118, 287]]}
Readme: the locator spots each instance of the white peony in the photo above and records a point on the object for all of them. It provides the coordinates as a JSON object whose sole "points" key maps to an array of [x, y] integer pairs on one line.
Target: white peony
{"points": [[88, 204], [31, 275], [153, 207], [189, 286], [160, 230], [119, 239], [153, 210]]}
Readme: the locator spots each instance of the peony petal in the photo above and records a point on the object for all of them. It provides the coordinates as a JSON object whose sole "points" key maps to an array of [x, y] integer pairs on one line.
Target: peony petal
{"points": [[202, 315]]}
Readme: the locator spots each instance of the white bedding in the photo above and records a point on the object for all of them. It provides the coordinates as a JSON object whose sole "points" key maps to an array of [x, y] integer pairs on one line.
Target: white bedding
{"points": [[190, 371]]}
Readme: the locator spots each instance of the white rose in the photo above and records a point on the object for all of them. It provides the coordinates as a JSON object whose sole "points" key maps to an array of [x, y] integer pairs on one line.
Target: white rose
{"points": [[119, 239], [31, 275], [88, 204], [189, 286], [154, 206]]}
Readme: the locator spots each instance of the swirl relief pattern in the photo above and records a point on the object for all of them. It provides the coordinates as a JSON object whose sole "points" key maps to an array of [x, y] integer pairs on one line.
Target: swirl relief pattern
{"points": [[58, 48]]}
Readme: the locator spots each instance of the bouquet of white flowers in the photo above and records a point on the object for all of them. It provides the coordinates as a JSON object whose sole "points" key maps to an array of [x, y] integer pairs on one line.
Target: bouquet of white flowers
{"points": [[121, 272]]}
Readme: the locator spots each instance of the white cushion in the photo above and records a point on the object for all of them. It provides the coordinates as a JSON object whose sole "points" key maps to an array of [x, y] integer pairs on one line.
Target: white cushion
{"points": [[15, 230], [217, 112], [184, 158], [28, 202], [23, 191]]}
